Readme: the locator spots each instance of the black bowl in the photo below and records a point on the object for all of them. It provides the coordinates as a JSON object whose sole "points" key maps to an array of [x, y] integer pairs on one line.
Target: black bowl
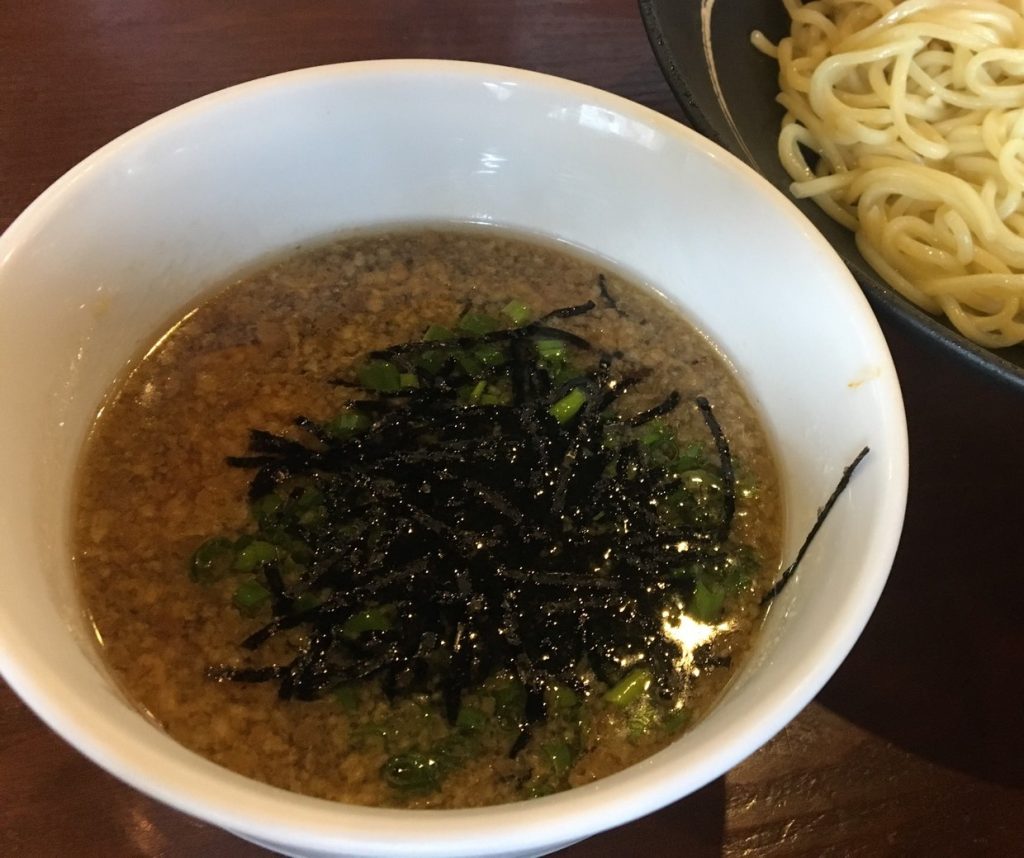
{"points": [[697, 42]]}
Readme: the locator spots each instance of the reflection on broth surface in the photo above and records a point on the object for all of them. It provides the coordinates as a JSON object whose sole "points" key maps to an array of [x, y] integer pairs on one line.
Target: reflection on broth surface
{"points": [[375, 524]]}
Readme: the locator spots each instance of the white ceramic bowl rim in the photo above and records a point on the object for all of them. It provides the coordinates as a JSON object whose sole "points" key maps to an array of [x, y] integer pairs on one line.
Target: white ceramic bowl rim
{"points": [[237, 803]]}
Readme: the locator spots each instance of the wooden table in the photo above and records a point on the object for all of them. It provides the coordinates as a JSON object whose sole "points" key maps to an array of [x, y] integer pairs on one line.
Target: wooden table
{"points": [[914, 748]]}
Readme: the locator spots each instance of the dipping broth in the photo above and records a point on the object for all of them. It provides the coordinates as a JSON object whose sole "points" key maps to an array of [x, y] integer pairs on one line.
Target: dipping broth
{"points": [[193, 534]]}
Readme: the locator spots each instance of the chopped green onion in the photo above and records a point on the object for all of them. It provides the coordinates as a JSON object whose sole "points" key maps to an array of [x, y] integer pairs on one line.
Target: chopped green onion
{"points": [[478, 391], [414, 772], [559, 755], [312, 517], [562, 373], [212, 560], [677, 719], [452, 751], [380, 375], [347, 424], [438, 333], [256, 554], [656, 432], [470, 719], [509, 702], [493, 397], [706, 604], [629, 689], [432, 361], [408, 379], [250, 596], [518, 312], [550, 350], [561, 697], [370, 620], [739, 568], [489, 355], [565, 409], [478, 324], [472, 367], [263, 508], [690, 457], [540, 789]]}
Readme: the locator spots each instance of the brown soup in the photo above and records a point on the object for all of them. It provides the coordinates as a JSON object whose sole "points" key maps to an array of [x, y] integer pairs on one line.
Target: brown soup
{"points": [[156, 487]]}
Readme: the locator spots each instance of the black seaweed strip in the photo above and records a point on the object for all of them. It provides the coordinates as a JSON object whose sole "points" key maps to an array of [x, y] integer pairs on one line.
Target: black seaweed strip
{"points": [[602, 287], [559, 579], [281, 602], [245, 674], [250, 461], [568, 312], [613, 392], [844, 481], [728, 476], [669, 404]]}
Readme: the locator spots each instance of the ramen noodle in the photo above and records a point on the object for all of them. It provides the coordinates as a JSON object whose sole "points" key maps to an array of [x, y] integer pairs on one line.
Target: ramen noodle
{"points": [[905, 123]]}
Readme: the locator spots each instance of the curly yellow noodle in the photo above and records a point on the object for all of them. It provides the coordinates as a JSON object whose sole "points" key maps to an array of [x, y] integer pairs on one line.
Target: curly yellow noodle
{"points": [[905, 123]]}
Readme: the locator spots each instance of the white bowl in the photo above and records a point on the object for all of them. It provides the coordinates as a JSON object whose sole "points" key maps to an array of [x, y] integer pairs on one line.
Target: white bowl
{"points": [[107, 255]]}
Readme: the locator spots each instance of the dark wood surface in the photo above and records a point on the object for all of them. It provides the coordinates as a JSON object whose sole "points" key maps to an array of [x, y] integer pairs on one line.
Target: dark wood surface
{"points": [[914, 748]]}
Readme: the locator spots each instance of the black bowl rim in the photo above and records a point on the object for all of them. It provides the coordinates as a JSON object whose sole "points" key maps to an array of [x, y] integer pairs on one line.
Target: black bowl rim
{"points": [[881, 296]]}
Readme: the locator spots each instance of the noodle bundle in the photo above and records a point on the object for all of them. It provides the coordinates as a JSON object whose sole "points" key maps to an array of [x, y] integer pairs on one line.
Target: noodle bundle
{"points": [[905, 123]]}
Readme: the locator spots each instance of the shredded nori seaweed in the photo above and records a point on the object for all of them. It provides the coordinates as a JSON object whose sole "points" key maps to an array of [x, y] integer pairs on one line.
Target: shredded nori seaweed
{"points": [[497, 537], [819, 520]]}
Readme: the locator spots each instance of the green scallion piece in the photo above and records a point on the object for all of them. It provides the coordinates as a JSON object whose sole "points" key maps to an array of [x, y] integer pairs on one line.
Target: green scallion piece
{"points": [[690, 457], [380, 375], [706, 603], [492, 397], [438, 334], [432, 361], [478, 391], [509, 702], [413, 772], [565, 409], [347, 424], [478, 324], [212, 560], [550, 350], [517, 311], [629, 689], [561, 697], [370, 620], [739, 569], [655, 433], [255, 554], [470, 719], [469, 363], [677, 719], [408, 379], [559, 757], [539, 789], [489, 355], [250, 596], [265, 507]]}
